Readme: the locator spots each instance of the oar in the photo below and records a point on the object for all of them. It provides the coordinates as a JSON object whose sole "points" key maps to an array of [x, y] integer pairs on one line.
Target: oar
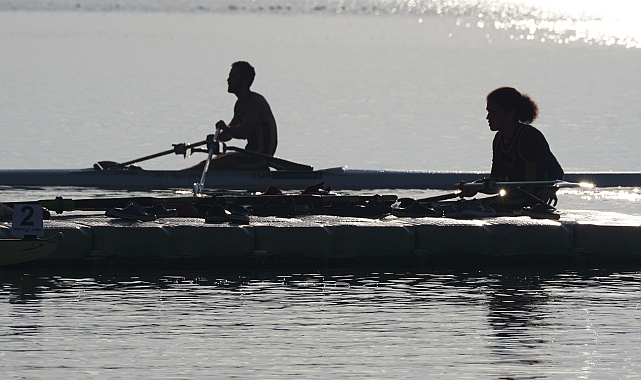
{"points": [[536, 199], [276, 162], [494, 186], [405, 202], [178, 149], [59, 204], [438, 198], [212, 146]]}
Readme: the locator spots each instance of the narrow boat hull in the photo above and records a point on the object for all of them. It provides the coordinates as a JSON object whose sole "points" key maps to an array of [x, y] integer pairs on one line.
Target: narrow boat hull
{"points": [[16, 251], [257, 180]]}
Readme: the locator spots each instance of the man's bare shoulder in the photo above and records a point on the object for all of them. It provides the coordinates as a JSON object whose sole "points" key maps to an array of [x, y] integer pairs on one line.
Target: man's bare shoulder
{"points": [[258, 102], [257, 99]]}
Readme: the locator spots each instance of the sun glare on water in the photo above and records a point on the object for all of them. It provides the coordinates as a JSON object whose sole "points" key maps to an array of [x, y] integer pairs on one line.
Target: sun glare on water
{"points": [[616, 22], [627, 195], [586, 185], [613, 22], [603, 22]]}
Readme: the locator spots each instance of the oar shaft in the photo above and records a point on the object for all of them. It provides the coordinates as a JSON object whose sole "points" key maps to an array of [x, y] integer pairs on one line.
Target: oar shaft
{"points": [[147, 157], [488, 184], [198, 187], [278, 163], [437, 198], [60, 205], [536, 199], [212, 145], [164, 153]]}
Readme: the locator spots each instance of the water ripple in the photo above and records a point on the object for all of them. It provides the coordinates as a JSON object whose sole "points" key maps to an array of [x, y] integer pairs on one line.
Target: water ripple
{"points": [[492, 323]]}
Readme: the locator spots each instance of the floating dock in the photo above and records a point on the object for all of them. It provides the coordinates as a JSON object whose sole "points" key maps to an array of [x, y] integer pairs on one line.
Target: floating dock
{"points": [[580, 236]]}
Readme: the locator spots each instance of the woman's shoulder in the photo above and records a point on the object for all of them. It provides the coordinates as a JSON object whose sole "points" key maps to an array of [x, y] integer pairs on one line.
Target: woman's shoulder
{"points": [[532, 137], [531, 132]]}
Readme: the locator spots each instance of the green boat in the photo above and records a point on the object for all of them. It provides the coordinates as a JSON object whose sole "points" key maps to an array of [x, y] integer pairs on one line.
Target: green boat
{"points": [[16, 251]]}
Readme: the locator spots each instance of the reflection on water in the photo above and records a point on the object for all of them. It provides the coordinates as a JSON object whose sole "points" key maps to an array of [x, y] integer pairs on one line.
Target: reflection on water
{"points": [[503, 323], [513, 309]]}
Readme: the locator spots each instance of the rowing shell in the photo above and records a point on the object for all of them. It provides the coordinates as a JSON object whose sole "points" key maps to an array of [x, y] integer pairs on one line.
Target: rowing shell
{"points": [[16, 251], [259, 180]]}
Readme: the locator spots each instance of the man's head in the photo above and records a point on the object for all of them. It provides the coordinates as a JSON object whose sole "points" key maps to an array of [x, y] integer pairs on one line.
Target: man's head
{"points": [[241, 77]]}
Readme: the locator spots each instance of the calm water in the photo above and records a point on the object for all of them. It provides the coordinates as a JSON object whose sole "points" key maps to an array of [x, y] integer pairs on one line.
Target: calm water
{"points": [[485, 323], [368, 84]]}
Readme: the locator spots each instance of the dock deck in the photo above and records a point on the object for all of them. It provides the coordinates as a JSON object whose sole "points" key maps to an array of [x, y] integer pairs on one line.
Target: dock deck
{"points": [[578, 236]]}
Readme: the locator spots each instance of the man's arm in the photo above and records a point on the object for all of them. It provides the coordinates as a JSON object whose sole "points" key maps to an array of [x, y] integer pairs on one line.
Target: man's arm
{"points": [[242, 129], [223, 135]]}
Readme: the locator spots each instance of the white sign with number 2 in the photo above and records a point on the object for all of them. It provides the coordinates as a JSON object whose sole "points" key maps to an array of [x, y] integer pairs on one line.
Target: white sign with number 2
{"points": [[27, 220]]}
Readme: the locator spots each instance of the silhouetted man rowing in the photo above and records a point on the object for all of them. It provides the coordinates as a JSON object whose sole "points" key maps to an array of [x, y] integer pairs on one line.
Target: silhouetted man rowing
{"points": [[253, 121]]}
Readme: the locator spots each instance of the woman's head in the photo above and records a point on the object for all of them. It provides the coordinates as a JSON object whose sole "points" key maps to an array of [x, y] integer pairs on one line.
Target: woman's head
{"points": [[508, 98]]}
